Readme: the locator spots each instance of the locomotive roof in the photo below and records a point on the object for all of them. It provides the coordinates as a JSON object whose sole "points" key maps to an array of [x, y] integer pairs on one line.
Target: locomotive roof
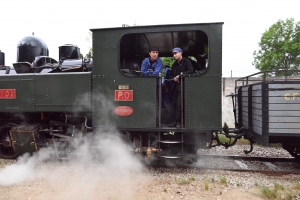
{"points": [[165, 37], [160, 25]]}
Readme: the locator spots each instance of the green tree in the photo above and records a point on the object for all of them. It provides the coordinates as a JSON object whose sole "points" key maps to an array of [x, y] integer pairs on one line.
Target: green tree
{"points": [[167, 61], [279, 47]]}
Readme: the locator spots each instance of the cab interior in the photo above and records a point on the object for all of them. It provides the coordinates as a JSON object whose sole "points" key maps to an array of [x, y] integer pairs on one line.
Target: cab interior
{"points": [[134, 47]]}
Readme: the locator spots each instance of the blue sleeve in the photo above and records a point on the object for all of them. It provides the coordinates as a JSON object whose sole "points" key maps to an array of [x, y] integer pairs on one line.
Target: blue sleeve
{"points": [[144, 67], [158, 67]]}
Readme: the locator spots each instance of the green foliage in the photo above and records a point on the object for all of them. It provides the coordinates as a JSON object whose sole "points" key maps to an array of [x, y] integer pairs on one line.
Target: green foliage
{"points": [[268, 193], [278, 192], [206, 185], [192, 178], [296, 186], [165, 190], [277, 186], [167, 61], [279, 47], [223, 180], [289, 195], [184, 181]]}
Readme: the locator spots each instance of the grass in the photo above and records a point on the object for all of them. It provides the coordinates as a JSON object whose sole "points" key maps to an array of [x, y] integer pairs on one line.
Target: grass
{"points": [[278, 145], [277, 186], [296, 186], [289, 195], [184, 181], [192, 178], [206, 185], [266, 192], [223, 139], [280, 192], [223, 180]]}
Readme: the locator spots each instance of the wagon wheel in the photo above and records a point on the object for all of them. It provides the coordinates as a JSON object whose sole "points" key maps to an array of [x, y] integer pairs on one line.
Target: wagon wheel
{"points": [[6, 148], [293, 150]]}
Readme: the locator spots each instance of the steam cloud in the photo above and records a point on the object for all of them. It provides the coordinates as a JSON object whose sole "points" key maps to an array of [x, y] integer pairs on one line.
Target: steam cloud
{"points": [[101, 163]]}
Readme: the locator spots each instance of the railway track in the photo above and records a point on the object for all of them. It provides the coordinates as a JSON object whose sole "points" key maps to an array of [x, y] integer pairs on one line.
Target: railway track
{"points": [[250, 158], [272, 166]]}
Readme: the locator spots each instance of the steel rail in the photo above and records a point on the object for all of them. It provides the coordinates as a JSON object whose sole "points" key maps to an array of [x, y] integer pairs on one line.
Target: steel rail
{"points": [[179, 164], [249, 158]]}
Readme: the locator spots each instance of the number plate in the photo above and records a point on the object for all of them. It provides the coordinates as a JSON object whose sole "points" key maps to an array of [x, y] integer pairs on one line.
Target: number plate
{"points": [[123, 95], [7, 93]]}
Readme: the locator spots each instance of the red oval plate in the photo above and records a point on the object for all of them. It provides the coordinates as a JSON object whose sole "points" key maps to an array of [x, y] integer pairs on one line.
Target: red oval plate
{"points": [[123, 111]]}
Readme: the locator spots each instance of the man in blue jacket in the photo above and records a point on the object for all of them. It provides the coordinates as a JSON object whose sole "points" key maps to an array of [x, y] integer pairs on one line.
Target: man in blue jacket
{"points": [[152, 65]]}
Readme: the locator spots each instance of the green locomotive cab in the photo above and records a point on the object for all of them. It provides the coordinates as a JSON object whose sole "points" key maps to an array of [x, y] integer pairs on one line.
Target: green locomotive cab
{"points": [[138, 101]]}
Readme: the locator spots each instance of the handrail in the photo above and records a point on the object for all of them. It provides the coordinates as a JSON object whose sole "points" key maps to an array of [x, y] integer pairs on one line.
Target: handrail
{"points": [[265, 76]]}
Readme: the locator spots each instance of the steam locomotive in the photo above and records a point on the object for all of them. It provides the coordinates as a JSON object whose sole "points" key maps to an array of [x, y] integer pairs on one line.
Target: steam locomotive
{"points": [[54, 103]]}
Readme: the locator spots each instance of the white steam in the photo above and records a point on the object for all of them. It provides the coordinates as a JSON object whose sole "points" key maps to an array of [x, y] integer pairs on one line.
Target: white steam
{"points": [[24, 168], [101, 163]]}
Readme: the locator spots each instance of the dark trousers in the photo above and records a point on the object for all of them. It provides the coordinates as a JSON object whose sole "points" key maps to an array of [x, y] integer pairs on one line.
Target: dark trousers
{"points": [[176, 104]]}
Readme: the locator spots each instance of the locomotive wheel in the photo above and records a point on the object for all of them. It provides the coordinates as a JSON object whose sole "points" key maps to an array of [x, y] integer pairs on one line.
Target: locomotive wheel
{"points": [[293, 150], [6, 150]]}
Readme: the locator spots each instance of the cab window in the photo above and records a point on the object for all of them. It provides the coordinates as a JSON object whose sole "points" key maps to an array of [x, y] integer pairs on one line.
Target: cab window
{"points": [[134, 48]]}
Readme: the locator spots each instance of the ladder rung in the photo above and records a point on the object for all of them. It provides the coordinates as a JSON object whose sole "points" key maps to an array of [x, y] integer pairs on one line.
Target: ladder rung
{"points": [[170, 141]]}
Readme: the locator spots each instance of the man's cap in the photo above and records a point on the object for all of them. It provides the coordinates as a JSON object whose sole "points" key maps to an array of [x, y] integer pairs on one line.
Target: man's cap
{"points": [[153, 48], [176, 49]]}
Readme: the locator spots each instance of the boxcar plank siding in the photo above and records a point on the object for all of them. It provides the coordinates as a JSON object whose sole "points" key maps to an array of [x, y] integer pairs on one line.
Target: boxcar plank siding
{"points": [[285, 113], [284, 119], [245, 124], [273, 107], [257, 123], [255, 87], [245, 89], [284, 125], [245, 99], [286, 94], [256, 93], [284, 108], [256, 111], [257, 99], [257, 130], [284, 86], [283, 131], [245, 92], [284, 100], [257, 117], [257, 105]]}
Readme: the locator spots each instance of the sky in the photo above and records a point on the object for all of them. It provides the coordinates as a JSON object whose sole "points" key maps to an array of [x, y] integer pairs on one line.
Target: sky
{"points": [[60, 22]]}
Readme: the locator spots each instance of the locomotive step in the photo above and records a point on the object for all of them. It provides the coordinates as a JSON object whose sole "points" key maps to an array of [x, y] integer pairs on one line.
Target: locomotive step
{"points": [[169, 157], [170, 141]]}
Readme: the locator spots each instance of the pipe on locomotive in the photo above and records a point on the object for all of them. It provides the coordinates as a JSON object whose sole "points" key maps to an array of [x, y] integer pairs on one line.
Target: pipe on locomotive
{"points": [[85, 120]]}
